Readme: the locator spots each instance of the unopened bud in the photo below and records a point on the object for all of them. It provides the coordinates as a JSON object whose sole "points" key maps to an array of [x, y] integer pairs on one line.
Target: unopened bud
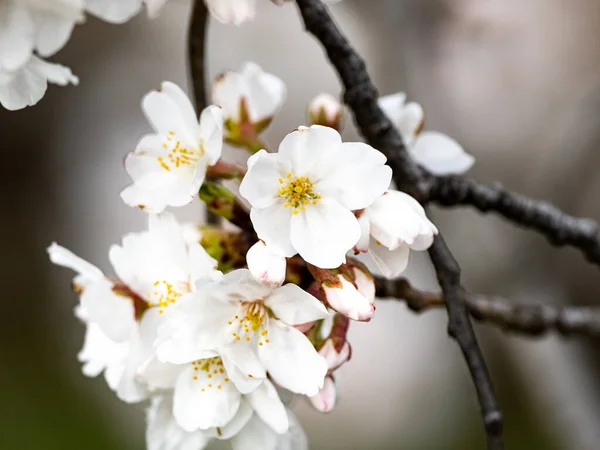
{"points": [[325, 400], [265, 265], [326, 110], [349, 289]]}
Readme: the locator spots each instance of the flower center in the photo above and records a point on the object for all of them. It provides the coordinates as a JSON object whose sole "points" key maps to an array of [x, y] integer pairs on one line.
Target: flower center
{"points": [[250, 323], [177, 155], [297, 192], [210, 373], [164, 294]]}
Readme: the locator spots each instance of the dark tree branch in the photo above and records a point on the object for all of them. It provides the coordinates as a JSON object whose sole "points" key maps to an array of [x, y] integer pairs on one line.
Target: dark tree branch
{"points": [[196, 52], [361, 96], [560, 228], [525, 319], [460, 328], [196, 60]]}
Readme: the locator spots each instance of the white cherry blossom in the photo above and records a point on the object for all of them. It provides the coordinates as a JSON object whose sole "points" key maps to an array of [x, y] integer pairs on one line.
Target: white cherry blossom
{"points": [[437, 152], [26, 85], [249, 96], [250, 324], [154, 268], [169, 166], [246, 431], [266, 266], [232, 11], [33, 25], [392, 226], [302, 196]]}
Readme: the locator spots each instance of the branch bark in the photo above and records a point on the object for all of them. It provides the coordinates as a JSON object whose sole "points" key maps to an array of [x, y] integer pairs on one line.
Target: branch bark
{"points": [[560, 228], [526, 319], [361, 96]]}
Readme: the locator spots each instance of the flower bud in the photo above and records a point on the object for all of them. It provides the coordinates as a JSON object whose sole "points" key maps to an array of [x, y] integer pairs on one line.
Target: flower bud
{"points": [[249, 100], [325, 400], [349, 289], [326, 110], [265, 265]]}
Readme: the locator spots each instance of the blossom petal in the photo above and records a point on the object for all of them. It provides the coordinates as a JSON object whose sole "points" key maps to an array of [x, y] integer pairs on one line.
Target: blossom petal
{"points": [[112, 312], [265, 265], [266, 403], [17, 32], [391, 263], [164, 433], [440, 154], [324, 233], [295, 306], [360, 180], [243, 366], [273, 226], [309, 149], [261, 184], [87, 272], [113, 11], [197, 404], [211, 132], [291, 360], [232, 11], [238, 422], [348, 301]]}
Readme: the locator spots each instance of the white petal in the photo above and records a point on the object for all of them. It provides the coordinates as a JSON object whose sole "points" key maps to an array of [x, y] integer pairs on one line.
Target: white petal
{"points": [[197, 409], [54, 26], [310, 151], [211, 131], [360, 179], [265, 265], [243, 366], [232, 11], [17, 35], [87, 273], [238, 422], [334, 357], [28, 84], [100, 353], [265, 93], [348, 301], [154, 7], [325, 400], [324, 233], [261, 184], [256, 435], [266, 403], [202, 264], [440, 154], [391, 262], [112, 312], [273, 226], [291, 360], [294, 306], [163, 432]]}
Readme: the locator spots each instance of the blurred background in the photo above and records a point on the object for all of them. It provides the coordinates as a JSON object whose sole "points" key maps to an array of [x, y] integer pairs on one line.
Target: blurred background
{"points": [[517, 83]]}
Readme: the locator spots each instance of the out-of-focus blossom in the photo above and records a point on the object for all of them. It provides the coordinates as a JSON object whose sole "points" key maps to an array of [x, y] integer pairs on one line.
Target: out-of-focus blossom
{"points": [[302, 196], [326, 110], [392, 226], [250, 99], [26, 85], [169, 166], [437, 152]]}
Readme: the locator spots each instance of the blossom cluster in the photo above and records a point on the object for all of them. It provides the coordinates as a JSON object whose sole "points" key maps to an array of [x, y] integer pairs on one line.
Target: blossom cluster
{"points": [[33, 30], [209, 325]]}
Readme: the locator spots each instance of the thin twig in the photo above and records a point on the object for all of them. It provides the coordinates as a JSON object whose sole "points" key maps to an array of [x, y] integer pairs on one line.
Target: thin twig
{"points": [[460, 328], [196, 60], [361, 96], [560, 228], [534, 319]]}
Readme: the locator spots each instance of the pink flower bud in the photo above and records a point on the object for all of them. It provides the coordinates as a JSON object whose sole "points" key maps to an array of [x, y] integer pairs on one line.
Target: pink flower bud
{"points": [[324, 401], [266, 266], [343, 296], [335, 357], [326, 110]]}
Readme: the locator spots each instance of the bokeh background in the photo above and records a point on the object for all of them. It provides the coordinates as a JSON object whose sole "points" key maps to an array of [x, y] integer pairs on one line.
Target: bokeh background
{"points": [[517, 83]]}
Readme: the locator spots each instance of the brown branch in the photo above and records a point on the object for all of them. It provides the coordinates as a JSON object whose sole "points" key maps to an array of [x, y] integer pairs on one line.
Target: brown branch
{"points": [[526, 319], [361, 96], [560, 228]]}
